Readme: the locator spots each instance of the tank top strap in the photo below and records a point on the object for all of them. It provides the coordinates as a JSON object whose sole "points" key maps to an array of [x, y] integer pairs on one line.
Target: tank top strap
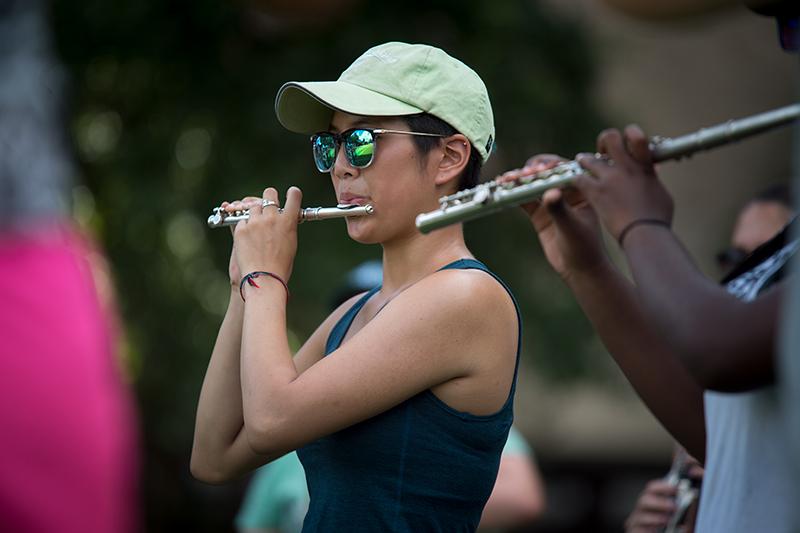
{"points": [[467, 264], [341, 327]]}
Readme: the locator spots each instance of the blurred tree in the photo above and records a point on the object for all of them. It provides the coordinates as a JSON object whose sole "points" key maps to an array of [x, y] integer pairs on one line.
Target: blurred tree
{"points": [[173, 112]]}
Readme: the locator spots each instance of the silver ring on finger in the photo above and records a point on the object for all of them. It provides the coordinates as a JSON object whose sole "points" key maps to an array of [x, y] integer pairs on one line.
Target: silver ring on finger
{"points": [[267, 203]]}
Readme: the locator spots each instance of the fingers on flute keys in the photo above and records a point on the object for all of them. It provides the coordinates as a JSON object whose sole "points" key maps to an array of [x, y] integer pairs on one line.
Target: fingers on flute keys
{"points": [[629, 148], [241, 205], [268, 204], [542, 162], [638, 145], [294, 198]]}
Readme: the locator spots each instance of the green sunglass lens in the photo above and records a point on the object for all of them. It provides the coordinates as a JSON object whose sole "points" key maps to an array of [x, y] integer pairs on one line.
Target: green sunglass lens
{"points": [[360, 148], [324, 148]]}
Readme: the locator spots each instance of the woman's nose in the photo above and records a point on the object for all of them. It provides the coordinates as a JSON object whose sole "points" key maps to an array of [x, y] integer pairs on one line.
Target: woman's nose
{"points": [[342, 168]]}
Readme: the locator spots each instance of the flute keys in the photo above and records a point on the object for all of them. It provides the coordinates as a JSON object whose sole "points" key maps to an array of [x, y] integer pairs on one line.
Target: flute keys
{"points": [[216, 217], [482, 195]]}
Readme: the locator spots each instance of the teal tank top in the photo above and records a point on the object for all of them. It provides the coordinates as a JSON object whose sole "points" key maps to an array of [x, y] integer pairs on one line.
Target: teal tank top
{"points": [[420, 466]]}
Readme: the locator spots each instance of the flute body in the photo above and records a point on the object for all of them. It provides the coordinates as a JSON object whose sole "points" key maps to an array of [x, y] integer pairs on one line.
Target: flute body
{"points": [[220, 218], [496, 195]]}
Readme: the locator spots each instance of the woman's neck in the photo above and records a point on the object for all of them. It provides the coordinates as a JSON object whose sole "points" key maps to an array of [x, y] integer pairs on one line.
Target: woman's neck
{"points": [[408, 259]]}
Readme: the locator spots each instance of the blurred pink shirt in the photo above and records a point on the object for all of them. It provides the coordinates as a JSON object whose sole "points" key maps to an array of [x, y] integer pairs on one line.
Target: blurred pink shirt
{"points": [[68, 459]]}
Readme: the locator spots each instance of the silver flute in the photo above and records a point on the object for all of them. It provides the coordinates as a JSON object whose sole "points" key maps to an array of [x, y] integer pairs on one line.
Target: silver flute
{"points": [[220, 217], [498, 194]]}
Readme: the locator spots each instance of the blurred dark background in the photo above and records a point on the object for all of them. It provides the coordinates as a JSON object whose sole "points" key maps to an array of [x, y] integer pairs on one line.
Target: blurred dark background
{"points": [[172, 112]]}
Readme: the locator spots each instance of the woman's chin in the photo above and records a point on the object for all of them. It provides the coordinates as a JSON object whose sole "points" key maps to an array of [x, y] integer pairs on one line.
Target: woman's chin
{"points": [[361, 231]]}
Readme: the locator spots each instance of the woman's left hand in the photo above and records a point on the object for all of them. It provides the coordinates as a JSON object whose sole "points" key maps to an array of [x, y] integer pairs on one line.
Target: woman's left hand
{"points": [[267, 241]]}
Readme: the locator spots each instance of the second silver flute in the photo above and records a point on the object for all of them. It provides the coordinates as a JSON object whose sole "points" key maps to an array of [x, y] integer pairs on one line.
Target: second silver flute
{"points": [[220, 218], [495, 195]]}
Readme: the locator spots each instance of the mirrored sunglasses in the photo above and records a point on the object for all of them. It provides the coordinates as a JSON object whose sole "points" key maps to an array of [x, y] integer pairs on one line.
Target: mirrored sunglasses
{"points": [[359, 146]]}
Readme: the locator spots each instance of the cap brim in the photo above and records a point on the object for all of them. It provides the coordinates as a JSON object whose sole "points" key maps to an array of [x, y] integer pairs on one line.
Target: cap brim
{"points": [[308, 107]]}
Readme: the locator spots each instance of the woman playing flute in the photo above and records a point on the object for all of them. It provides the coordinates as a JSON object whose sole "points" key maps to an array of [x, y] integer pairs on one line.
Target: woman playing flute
{"points": [[400, 402]]}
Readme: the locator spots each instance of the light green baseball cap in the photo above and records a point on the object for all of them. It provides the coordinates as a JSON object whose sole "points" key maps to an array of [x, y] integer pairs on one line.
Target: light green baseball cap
{"points": [[395, 79]]}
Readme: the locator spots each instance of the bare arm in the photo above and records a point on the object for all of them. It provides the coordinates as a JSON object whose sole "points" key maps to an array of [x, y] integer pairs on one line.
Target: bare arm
{"points": [[219, 420], [725, 343], [569, 232], [220, 449], [657, 375], [219, 427]]}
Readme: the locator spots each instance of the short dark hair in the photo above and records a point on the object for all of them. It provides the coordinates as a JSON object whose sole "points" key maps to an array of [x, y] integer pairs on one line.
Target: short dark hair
{"points": [[779, 194], [427, 123]]}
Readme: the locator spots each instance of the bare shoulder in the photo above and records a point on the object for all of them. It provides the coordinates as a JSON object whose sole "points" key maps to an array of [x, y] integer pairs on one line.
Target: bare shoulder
{"points": [[468, 319], [471, 291], [465, 302]]}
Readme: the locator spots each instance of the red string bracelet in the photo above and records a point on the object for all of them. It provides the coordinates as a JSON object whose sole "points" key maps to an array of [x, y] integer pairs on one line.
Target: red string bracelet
{"points": [[249, 278]]}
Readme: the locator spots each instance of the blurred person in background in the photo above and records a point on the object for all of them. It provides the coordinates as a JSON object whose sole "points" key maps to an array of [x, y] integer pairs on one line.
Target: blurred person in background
{"points": [[69, 438], [518, 497], [277, 498], [757, 222], [401, 401], [669, 504]]}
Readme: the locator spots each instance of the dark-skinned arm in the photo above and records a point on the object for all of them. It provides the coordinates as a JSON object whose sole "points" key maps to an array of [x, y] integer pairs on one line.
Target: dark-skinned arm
{"points": [[609, 301], [570, 236], [725, 343]]}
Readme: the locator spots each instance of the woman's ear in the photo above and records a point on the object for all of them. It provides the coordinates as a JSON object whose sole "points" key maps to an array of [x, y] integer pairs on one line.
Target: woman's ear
{"points": [[455, 156]]}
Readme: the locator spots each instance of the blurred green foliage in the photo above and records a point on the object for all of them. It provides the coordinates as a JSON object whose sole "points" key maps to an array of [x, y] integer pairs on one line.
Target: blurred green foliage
{"points": [[172, 112]]}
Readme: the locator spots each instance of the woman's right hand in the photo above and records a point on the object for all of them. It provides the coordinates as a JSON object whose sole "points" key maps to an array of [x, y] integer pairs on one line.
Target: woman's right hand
{"points": [[566, 224], [233, 267]]}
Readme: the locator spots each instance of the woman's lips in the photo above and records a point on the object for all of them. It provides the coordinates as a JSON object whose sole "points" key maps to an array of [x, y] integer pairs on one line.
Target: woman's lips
{"points": [[350, 199]]}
